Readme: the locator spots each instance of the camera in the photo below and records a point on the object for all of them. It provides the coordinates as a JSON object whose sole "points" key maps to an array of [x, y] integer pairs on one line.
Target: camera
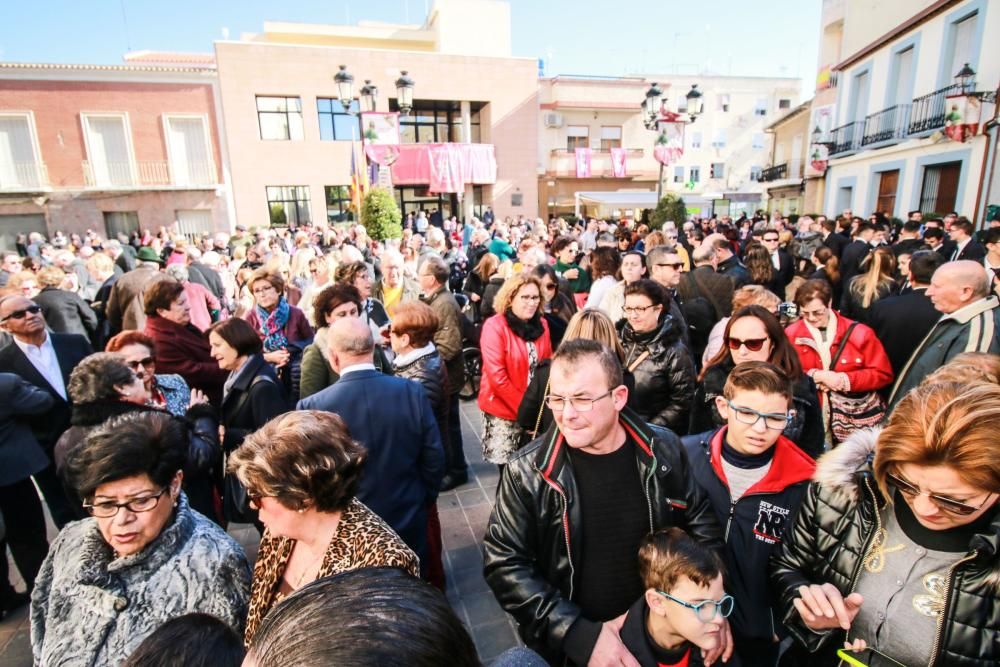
{"points": [[788, 309]]}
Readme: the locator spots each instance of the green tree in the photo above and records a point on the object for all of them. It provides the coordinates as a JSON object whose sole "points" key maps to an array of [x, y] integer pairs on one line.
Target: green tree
{"points": [[671, 207], [380, 215]]}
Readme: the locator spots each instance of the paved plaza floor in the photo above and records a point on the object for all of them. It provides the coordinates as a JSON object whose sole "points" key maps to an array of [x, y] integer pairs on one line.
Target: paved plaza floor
{"points": [[464, 513]]}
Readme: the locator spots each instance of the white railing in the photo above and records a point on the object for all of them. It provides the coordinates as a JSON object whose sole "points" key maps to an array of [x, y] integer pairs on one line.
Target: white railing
{"points": [[23, 175], [147, 173]]}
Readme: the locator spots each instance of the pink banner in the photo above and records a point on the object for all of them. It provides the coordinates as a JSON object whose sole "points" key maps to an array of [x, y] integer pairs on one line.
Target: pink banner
{"points": [[583, 163], [670, 144], [441, 167], [618, 156]]}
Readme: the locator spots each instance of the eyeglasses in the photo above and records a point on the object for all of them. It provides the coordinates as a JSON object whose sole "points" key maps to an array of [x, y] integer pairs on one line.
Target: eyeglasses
{"points": [[529, 298], [579, 403], [775, 421], [145, 363], [21, 314], [673, 265], [706, 610], [812, 314], [550, 287], [771, 240], [752, 344], [264, 290], [943, 503], [638, 310], [106, 510]]}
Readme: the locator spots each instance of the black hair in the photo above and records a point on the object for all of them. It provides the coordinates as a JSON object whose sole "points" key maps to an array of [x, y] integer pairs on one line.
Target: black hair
{"points": [[238, 334], [934, 233], [650, 289], [923, 264], [911, 226], [382, 616], [149, 443], [191, 640], [991, 235]]}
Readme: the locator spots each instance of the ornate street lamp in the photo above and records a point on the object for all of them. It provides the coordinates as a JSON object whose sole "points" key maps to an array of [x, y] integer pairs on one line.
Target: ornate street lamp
{"points": [[404, 93], [695, 102], [345, 86], [966, 79], [817, 138], [651, 106], [369, 96]]}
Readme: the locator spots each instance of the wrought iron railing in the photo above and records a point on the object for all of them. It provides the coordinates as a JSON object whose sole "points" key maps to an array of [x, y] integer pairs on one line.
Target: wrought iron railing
{"points": [[929, 110], [846, 137], [775, 173], [886, 125]]}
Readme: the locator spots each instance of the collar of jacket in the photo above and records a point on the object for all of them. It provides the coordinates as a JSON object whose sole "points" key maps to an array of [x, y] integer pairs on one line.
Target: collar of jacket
{"points": [[789, 466], [254, 367], [964, 314], [551, 457], [100, 567], [432, 297], [98, 412], [667, 333]]}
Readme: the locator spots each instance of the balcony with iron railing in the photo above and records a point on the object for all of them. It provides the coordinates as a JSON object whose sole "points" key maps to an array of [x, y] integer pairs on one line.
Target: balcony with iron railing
{"points": [[887, 125], [156, 173], [929, 110], [23, 176], [846, 138], [775, 173]]}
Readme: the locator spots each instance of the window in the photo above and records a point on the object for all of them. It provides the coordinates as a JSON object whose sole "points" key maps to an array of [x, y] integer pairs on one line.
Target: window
{"points": [[755, 172], [940, 187], [719, 138], [962, 45], [577, 136], [280, 118], [415, 199], [335, 124], [288, 205], [718, 169], [886, 200], [437, 121], [611, 137], [758, 140], [195, 221], [117, 223], [696, 139], [109, 150], [902, 70], [760, 108], [338, 203], [859, 97], [694, 174], [723, 102], [678, 174], [784, 103], [19, 162], [189, 149]]}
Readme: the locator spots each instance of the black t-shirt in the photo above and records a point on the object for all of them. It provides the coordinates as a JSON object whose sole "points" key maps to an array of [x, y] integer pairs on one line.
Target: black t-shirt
{"points": [[615, 518]]}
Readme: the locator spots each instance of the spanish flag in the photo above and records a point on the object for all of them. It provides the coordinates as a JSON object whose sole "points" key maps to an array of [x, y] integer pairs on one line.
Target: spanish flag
{"points": [[359, 177]]}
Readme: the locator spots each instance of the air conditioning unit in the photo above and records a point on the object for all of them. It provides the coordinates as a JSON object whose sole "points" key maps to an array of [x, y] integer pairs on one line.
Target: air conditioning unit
{"points": [[553, 120]]}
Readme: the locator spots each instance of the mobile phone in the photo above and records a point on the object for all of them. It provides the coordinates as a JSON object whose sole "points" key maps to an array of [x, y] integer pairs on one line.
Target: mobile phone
{"points": [[788, 309], [857, 658]]}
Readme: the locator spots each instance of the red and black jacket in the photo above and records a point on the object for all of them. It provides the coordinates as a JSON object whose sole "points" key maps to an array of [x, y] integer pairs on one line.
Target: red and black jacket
{"points": [[753, 526]]}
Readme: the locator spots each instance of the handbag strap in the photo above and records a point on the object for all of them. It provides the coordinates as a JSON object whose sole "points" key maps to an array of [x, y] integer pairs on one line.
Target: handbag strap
{"points": [[840, 348], [638, 360], [541, 408]]}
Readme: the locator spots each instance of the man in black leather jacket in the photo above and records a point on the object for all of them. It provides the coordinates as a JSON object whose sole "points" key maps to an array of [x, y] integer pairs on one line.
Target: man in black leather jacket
{"points": [[572, 507]]}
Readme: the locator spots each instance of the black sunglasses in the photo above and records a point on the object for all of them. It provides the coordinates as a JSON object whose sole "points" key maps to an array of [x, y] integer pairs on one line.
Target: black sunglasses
{"points": [[21, 314], [752, 344], [944, 503]]}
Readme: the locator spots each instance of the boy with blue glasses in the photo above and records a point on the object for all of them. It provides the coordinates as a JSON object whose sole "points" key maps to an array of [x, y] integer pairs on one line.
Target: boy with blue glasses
{"points": [[681, 616], [755, 479]]}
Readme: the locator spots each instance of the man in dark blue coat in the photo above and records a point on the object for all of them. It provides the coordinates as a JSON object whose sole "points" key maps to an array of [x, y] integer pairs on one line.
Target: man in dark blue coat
{"points": [[393, 419], [45, 360]]}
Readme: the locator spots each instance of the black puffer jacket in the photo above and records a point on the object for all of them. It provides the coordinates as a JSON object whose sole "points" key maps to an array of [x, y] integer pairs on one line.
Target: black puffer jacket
{"points": [[665, 378], [805, 429], [429, 370], [534, 530], [833, 530]]}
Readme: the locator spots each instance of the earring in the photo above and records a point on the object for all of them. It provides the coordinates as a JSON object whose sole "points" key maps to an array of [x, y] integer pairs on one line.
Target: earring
{"points": [[301, 510]]}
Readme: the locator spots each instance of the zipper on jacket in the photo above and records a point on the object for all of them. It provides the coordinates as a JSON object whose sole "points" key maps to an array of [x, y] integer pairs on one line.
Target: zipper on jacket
{"points": [[645, 490], [565, 519], [729, 521], [868, 539], [947, 593]]}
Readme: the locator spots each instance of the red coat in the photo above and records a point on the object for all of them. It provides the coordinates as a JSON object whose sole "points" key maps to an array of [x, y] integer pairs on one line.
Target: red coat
{"points": [[184, 350], [505, 366], [863, 360]]}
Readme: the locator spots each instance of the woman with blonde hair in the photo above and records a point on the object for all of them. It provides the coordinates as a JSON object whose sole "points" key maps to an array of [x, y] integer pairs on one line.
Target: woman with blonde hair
{"points": [[895, 544], [866, 289], [513, 343], [533, 415]]}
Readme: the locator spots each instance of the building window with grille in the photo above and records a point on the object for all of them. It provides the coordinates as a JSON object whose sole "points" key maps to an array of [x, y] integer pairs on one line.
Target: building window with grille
{"points": [[577, 136], [288, 205], [718, 169], [939, 190], [678, 174], [335, 124], [20, 165], [280, 118], [694, 174], [120, 223], [611, 137], [338, 203]]}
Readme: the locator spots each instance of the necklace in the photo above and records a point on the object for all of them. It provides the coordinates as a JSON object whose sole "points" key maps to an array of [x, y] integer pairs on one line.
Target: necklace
{"points": [[307, 569]]}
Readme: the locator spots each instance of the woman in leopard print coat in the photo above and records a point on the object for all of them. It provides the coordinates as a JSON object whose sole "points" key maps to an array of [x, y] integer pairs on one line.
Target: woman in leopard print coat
{"points": [[302, 470]]}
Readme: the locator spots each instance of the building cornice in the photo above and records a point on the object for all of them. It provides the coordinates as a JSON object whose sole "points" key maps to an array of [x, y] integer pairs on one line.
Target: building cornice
{"points": [[900, 30]]}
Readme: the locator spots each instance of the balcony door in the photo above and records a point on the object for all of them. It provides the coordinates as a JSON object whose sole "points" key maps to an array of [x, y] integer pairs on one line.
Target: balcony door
{"points": [[19, 166], [190, 157], [940, 187], [887, 185], [109, 150]]}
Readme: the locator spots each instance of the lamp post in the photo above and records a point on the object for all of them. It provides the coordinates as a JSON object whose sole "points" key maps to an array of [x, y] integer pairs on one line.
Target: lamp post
{"points": [[653, 114], [369, 96], [345, 86], [404, 93], [966, 80]]}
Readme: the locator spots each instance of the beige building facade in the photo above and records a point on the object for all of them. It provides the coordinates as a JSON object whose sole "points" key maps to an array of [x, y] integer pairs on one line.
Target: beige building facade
{"points": [[784, 178]]}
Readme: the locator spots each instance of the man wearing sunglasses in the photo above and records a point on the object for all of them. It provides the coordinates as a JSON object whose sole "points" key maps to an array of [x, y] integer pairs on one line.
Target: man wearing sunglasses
{"points": [[755, 479], [573, 507], [45, 360]]}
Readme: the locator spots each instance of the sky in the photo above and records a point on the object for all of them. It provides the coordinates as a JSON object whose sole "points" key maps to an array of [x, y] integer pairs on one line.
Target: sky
{"points": [[737, 37]]}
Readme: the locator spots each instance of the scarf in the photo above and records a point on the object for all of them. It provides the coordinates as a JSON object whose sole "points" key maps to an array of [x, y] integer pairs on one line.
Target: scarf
{"points": [[272, 325], [530, 330], [822, 347]]}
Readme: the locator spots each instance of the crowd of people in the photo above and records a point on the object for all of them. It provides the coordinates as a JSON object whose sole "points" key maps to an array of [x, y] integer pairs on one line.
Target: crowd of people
{"points": [[755, 441]]}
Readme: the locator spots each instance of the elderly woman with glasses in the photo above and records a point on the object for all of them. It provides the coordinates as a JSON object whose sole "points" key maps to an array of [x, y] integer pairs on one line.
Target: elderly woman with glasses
{"points": [[895, 544], [513, 343], [144, 557], [167, 391], [302, 471], [753, 333]]}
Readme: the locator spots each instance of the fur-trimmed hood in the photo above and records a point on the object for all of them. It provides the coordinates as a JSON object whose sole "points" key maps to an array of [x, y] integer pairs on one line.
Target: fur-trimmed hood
{"points": [[838, 468]]}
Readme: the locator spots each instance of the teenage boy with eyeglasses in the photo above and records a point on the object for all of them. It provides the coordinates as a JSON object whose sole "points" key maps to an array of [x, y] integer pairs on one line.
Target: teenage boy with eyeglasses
{"points": [[755, 479], [680, 616]]}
